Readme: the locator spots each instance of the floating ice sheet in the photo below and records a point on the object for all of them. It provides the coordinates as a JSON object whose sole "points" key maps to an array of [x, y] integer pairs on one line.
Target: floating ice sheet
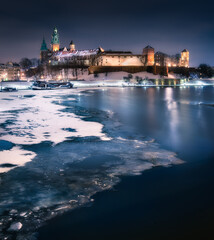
{"points": [[41, 118], [14, 157]]}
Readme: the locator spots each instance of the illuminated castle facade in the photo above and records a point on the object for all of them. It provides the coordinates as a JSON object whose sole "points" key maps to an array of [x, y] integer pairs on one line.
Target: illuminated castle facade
{"points": [[147, 58], [99, 57], [45, 53], [70, 55], [148, 55], [177, 60], [184, 60]]}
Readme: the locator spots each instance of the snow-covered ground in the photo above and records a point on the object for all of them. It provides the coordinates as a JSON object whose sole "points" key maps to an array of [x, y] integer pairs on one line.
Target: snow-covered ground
{"points": [[111, 79], [83, 74], [121, 75], [16, 84]]}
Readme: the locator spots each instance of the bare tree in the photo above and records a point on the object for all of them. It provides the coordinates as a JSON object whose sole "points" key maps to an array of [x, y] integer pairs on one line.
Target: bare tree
{"points": [[25, 63]]}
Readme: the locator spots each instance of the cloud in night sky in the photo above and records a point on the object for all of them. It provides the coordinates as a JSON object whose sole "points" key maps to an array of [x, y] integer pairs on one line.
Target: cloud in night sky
{"points": [[169, 26]]}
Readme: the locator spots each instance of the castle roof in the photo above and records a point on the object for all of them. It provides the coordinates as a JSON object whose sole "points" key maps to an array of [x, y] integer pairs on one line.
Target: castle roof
{"points": [[161, 53], [185, 50], [116, 53], [148, 47], [79, 53], [43, 45]]}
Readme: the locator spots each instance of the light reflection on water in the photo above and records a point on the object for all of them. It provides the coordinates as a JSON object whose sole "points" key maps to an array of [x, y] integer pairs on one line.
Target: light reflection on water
{"points": [[179, 118]]}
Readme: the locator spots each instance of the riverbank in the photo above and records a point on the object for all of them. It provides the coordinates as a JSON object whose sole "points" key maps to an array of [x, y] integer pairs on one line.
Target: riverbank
{"points": [[24, 85]]}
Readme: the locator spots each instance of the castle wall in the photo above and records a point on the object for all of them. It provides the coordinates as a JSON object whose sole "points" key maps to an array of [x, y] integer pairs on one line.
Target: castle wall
{"points": [[129, 69], [116, 60], [148, 54], [184, 62]]}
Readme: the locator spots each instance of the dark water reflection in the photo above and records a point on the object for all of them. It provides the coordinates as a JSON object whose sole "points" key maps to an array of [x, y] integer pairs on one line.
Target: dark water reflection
{"points": [[181, 119]]}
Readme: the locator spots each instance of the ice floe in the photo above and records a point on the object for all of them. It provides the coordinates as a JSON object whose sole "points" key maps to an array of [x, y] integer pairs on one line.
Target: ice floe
{"points": [[15, 226], [41, 118], [14, 157]]}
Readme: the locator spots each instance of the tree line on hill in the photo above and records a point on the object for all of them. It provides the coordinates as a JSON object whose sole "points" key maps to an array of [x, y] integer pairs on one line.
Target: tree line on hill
{"points": [[206, 71]]}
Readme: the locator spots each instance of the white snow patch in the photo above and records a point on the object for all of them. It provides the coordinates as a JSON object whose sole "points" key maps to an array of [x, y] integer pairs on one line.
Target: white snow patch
{"points": [[15, 156], [15, 227], [38, 119], [112, 76]]}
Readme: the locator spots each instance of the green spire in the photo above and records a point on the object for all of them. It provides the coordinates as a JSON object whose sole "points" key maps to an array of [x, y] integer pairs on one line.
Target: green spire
{"points": [[55, 37], [43, 46]]}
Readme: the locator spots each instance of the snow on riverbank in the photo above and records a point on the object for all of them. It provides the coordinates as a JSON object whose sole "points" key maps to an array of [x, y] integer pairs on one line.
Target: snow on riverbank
{"points": [[83, 76], [120, 75]]}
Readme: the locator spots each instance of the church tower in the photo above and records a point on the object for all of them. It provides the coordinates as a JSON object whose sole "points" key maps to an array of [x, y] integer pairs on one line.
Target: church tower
{"points": [[184, 61], [72, 46], [55, 40], [149, 56], [43, 51]]}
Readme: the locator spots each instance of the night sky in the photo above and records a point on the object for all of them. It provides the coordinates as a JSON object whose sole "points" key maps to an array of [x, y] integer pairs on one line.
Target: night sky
{"points": [[168, 26]]}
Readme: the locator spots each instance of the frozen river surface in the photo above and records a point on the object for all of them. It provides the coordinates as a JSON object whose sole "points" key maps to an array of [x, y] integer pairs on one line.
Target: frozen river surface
{"points": [[59, 148], [56, 153]]}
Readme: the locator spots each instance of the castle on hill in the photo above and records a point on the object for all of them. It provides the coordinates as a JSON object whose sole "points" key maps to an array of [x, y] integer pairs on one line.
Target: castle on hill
{"points": [[99, 57]]}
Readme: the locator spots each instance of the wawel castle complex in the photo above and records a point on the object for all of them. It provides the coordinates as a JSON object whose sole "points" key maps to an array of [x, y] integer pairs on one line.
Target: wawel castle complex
{"points": [[101, 58], [97, 60]]}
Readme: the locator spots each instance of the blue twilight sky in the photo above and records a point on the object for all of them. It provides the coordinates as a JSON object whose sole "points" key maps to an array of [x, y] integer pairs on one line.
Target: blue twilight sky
{"points": [[168, 26]]}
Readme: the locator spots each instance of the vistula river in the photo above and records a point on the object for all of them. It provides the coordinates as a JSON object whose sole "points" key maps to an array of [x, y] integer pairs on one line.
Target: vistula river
{"points": [[107, 163]]}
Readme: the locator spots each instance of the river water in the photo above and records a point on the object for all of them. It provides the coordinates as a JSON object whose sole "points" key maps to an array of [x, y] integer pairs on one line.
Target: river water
{"points": [[71, 163]]}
